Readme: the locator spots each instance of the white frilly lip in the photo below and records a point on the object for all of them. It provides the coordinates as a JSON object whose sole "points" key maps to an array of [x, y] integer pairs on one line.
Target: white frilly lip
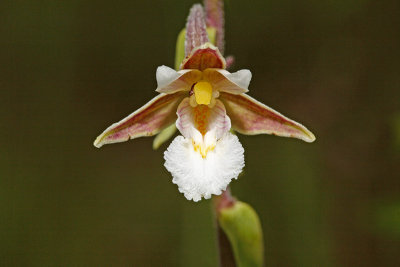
{"points": [[199, 177]]}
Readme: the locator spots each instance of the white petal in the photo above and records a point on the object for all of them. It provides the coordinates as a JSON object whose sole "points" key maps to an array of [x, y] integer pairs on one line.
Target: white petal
{"points": [[222, 80], [199, 177], [185, 121], [218, 121], [170, 81]]}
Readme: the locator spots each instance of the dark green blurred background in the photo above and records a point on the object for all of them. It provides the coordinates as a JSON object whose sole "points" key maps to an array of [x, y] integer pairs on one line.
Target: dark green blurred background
{"points": [[71, 68]]}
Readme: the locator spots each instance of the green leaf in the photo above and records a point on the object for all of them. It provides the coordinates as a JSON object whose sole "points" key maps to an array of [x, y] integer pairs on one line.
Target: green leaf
{"points": [[180, 49], [163, 136], [243, 229], [211, 32]]}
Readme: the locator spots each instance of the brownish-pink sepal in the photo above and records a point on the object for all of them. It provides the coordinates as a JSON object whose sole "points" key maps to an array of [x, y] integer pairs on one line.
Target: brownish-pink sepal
{"points": [[251, 117], [215, 18], [204, 57], [196, 33], [150, 119]]}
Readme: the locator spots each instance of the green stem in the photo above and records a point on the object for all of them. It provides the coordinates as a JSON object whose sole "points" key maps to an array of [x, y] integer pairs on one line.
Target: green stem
{"points": [[226, 257]]}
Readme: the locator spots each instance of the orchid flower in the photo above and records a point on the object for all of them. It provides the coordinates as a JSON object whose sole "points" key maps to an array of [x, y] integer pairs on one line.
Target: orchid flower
{"points": [[205, 101]]}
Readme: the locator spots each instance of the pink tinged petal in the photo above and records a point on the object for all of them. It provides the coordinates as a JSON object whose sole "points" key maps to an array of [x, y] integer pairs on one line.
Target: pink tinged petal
{"points": [[204, 57], [252, 117], [212, 120], [170, 81], [150, 119], [185, 122], [196, 33], [215, 18], [224, 81], [219, 122]]}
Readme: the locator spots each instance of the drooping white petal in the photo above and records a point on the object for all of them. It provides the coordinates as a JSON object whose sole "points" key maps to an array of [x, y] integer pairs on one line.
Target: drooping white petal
{"points": [[219, 122], [170, 81], [199, 177], [185, 121], [216, 119], [233, 83]]}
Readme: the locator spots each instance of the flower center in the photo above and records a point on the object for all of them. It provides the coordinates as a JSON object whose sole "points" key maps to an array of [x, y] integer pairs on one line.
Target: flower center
{"points": [[205, 142], [202, 93], [202, 100]]}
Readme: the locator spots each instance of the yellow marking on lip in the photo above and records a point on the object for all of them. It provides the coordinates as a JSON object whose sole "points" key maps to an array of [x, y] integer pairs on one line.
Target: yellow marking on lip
{"points": [[201, 149]]}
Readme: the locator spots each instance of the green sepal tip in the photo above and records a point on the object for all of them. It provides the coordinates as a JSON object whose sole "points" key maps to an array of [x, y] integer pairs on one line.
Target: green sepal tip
{"points": [[164, 136]]}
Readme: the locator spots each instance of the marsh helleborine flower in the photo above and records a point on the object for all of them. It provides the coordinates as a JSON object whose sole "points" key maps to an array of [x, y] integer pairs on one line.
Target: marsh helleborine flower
{"points": [[205, 101]]}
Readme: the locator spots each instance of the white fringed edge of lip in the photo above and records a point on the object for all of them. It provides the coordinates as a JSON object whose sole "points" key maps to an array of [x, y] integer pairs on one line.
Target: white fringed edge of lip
{"points": [[199, 177]]}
